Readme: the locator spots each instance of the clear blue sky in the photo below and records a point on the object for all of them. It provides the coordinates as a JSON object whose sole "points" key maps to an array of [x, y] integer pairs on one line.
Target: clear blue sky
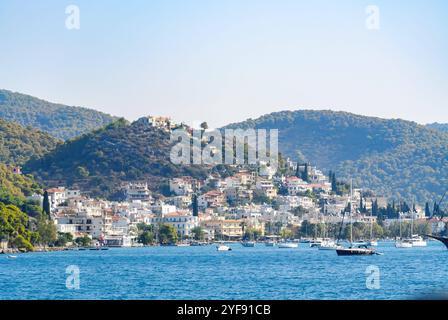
{"points": [[224, 61]]}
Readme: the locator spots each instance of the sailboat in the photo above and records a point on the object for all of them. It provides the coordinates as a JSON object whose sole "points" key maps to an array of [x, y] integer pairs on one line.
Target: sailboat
{"points": [[358, 250], [415, 239], [372, 242], [402, 243], [327, 243]]}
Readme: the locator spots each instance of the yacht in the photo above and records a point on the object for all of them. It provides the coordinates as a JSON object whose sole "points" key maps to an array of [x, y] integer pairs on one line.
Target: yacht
{"points": [[355, 249], [402, 243]]}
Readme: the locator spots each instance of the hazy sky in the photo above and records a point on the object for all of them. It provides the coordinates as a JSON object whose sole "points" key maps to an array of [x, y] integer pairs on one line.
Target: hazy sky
{"points": [[228, 60]]}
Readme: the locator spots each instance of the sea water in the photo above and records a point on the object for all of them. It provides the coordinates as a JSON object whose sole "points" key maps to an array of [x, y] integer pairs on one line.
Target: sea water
{"points": [[244, 273]]}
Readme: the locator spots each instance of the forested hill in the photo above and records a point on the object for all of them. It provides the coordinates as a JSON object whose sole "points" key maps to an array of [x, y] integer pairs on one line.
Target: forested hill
{"points": [[18, 144], [395, 158], [100, 161], [59, 120]]}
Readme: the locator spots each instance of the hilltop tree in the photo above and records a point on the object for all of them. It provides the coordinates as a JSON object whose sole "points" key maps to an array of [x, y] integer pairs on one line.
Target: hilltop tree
{"points": [[204, 125]]}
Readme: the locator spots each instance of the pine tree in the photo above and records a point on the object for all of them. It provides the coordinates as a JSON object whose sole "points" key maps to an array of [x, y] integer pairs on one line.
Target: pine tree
{"points": [[46, 204], [298, 175], [195, 205], [427, 210], [305, 173], [435, 210], [334, 185]]}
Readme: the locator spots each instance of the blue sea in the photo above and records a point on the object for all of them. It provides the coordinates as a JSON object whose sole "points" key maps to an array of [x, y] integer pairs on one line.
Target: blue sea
{"points": [[243, 273]]}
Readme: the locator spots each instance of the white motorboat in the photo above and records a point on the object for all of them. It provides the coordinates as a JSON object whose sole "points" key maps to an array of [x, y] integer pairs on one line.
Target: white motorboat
{"points": [[288, 245], [11, 257], [329, 245], [223, 247], [270, 243], [316, 243]]}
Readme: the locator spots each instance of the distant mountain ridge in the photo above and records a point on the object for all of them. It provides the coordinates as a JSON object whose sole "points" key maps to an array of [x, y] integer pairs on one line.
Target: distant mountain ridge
{"points": [[61, 121], [395, 158], [438, 126]]}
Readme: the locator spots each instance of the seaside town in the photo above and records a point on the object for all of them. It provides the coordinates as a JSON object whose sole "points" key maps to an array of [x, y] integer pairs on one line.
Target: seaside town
{"points": [[255, 203]]}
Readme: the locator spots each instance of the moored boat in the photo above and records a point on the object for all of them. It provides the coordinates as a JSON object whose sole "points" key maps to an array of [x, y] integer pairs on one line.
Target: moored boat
{"points": [[355, 251], [248, 244], [403, 243], [223, 247], [288, 245]]}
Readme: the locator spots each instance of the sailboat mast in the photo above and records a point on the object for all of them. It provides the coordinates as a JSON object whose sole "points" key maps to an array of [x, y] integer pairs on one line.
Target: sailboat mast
{"points": [[351, 222]]}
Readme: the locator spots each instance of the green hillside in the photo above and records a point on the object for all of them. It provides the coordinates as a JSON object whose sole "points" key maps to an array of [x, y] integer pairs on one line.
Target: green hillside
{"points": [[61, 121], [101, 160], [396, 158], [18, 144]]}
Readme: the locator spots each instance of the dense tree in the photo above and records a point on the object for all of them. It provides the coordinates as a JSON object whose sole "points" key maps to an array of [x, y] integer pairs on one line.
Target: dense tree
{"points": [[167, 234], [84, 241], [14, 227], [46, 230], [198, 233]]}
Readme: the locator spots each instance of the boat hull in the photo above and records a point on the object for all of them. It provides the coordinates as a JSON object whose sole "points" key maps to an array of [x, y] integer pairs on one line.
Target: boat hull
{"points": [[355, 252]]}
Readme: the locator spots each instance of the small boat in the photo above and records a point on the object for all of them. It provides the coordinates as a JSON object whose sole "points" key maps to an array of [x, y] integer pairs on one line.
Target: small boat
{"points": [[11, 257], [248, 244], [270, 243], [182, 245], [403, 243], [288, 245], [223, 247]]}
